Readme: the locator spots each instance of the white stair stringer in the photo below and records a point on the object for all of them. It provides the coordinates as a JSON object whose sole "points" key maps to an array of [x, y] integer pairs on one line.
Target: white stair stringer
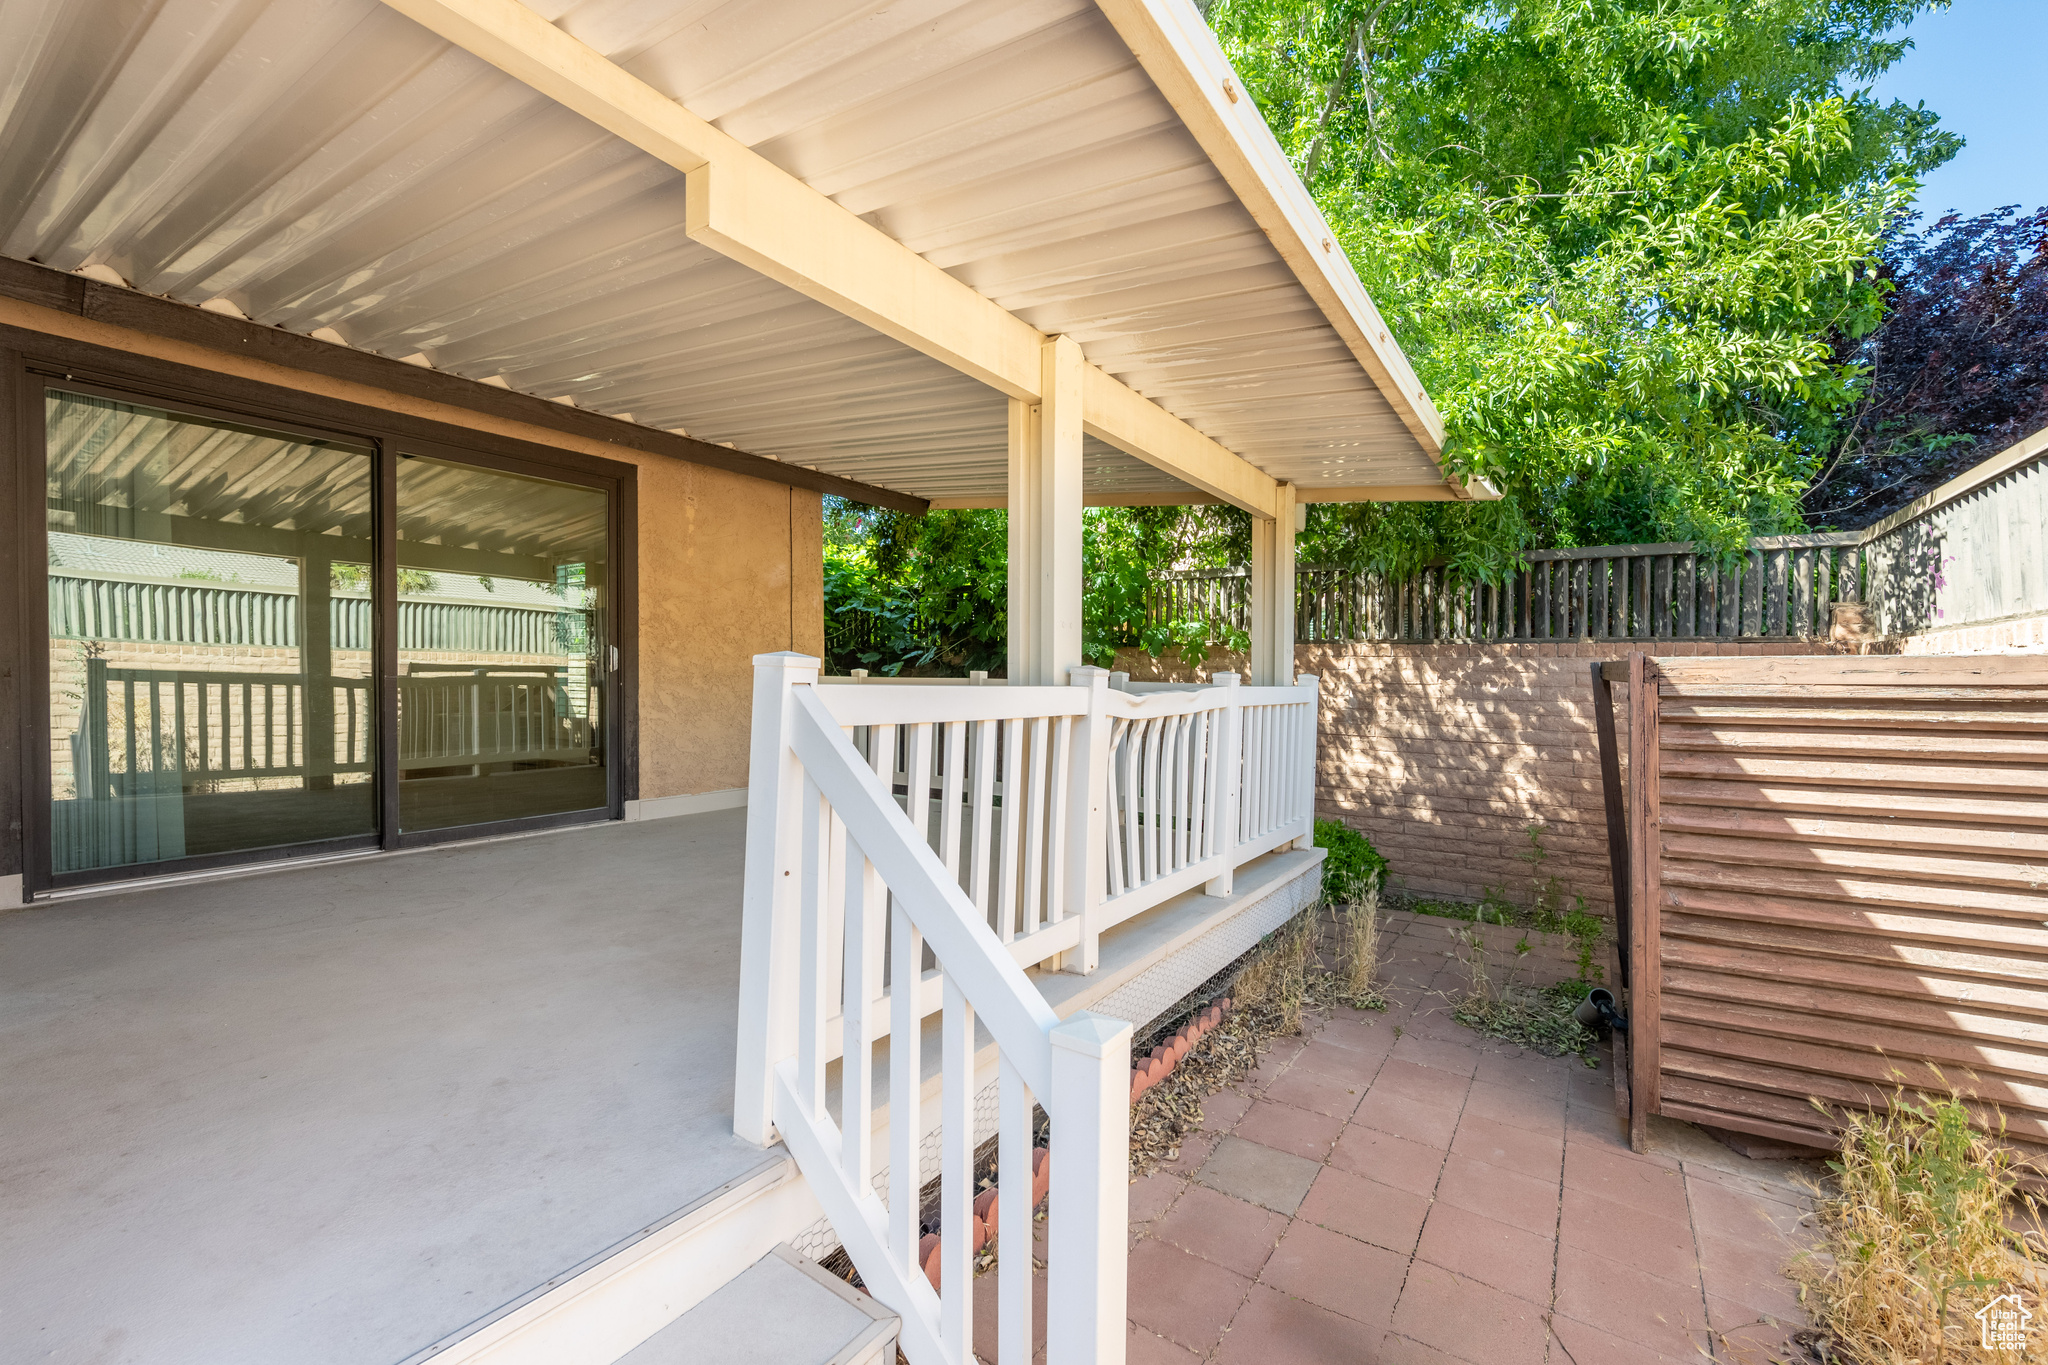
{"points": [[598, 1313], [859, 1218]]}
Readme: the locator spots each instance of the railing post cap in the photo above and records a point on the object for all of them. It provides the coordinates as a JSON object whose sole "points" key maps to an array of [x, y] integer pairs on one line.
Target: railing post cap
{"points": [[789, 661], [1092, 1035], [1088, 675], [1226, 679]]}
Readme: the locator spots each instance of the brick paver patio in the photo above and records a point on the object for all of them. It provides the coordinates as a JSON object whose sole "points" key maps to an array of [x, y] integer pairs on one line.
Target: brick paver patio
{"points": [[1395, 1189]]}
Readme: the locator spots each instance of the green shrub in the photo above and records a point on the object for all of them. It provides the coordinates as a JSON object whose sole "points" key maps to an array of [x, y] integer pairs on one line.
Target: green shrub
{"points": [[1353, 867]]}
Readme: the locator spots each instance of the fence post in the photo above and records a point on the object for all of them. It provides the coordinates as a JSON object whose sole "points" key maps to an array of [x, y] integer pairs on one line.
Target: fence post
{"points": [[1229, 775], [1645, 849], [768, 948], [1087, 1256], [1087, 803]]}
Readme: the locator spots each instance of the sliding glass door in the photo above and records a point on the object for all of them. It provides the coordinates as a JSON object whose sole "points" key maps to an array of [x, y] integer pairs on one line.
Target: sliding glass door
{"points": [[210, 679], [501, 694], [265, 641]]}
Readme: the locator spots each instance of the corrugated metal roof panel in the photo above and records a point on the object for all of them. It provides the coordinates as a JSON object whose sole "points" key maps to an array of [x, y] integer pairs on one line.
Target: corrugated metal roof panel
{"points": [[329, 163]]}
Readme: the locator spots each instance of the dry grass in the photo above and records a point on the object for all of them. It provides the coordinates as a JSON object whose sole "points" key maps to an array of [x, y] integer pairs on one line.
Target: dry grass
{"points": [[1923, 1225], [1357, 935], [1273, 989]]}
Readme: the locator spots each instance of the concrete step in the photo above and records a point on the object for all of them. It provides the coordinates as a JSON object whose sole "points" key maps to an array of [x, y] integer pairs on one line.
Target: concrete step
{"points": [[783, 1310], [612, 1304]]}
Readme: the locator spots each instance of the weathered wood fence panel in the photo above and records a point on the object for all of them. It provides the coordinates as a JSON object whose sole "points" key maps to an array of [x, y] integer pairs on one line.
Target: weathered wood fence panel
{"points": [[1782, 588], [1974, 552], [1839, 884]]}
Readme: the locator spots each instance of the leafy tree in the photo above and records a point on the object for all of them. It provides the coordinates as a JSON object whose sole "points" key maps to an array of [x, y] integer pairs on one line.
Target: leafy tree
{"points": [[1124, 549], [1957, 371], [1615, 236], [929, 593]]}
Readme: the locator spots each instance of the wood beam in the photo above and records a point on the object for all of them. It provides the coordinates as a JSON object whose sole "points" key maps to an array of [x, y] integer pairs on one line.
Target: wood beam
{"points": [[1193, 497], [1450, 490], [745, 207]]}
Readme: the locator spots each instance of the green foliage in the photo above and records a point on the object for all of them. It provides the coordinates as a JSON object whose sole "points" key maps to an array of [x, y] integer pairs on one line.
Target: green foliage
{"points": [[1353, 866], [931, 593], [927, 592], [1615, 236], [1587, 931], [1125, 548]]}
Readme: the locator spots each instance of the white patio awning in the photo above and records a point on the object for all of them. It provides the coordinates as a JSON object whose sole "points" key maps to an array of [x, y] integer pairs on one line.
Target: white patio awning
{"points": [[340, 167]]}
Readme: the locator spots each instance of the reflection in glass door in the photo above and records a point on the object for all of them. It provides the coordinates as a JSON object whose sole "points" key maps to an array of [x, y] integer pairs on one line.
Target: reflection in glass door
{"points": [[503, 673], [210, 658]]}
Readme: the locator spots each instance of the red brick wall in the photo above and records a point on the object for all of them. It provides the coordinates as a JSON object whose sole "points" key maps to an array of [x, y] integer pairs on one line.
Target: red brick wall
{"points": [[1444, 754]]}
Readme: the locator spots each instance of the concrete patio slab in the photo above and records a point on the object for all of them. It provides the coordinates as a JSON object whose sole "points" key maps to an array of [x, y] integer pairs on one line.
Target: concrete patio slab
{"points": [[1259, 1174], [336, 1113]]}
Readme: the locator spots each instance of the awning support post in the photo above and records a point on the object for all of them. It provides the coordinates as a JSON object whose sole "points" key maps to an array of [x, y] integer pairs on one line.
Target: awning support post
{"points": [[1045, 522], [1272, 592]]}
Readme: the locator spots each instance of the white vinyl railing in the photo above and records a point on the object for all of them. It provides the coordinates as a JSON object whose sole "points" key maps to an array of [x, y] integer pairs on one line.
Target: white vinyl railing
{"points": [[949, 839]]}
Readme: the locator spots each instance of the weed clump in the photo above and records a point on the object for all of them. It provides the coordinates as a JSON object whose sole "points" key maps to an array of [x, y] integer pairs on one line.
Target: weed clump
{"points": [[1355, 981], [1500, 1005], [1925, 1226], [1552, 908], [1352, 867]]}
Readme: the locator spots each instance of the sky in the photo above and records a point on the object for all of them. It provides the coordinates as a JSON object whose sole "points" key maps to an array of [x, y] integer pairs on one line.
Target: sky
{"points": [[1979, 66]]}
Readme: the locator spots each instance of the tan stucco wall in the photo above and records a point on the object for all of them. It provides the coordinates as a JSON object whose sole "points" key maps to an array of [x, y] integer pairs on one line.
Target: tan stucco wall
{"points": [[730, 567]]}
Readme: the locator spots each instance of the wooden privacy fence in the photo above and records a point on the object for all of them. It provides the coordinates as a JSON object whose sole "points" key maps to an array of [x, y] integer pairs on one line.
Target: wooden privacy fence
{"points": [[1783, 587], [1974, 551], [1836, 879]]}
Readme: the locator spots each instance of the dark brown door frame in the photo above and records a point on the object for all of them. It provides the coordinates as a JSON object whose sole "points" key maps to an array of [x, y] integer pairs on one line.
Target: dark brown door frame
{"points": [[30, 361]]}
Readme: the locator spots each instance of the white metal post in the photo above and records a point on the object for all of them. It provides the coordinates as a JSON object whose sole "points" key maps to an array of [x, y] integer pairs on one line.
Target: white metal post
{"points": [[1087, 814], [1228, 772], [767, 1022], [1045, 521], [1272, 592], [1089, 1225]]}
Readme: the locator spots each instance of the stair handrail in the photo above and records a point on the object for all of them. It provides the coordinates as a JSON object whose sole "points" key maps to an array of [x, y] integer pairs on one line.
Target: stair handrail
{"points": [[822, 822]]}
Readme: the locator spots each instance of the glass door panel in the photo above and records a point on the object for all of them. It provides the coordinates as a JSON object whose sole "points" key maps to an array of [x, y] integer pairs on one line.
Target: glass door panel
{"points": [[210, 662], [502, 683]]}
